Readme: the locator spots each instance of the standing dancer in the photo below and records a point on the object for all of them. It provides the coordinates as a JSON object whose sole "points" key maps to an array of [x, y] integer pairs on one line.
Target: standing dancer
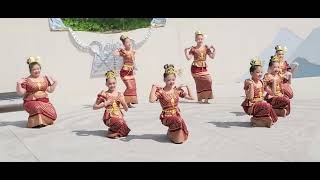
{"points": [[199, 66], [126, 72], [111, 100], [254, 104], [35, 89], [169, 99], [275, 95]]}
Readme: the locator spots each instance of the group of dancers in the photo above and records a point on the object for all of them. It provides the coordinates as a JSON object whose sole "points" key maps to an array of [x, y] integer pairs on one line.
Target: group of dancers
{"points": [[264, 108], [268, 97]]}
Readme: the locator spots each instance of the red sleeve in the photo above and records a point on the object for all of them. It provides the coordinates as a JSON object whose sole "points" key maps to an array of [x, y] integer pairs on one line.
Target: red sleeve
{"points": [[121, 52], [246, 84], [24, 85], [100, 97], [191, 52], [158, 94]]}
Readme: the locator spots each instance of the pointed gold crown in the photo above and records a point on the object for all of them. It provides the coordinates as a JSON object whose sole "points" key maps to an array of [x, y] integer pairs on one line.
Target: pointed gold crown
{"points": [[110, 74], [33, 59], [274, 59], [123, 37], [198, 33], [281, 48], [255, 62]]}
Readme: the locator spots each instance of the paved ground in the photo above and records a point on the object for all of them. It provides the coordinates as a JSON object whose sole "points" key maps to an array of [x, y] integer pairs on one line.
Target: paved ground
{"points": [[218, 132]]}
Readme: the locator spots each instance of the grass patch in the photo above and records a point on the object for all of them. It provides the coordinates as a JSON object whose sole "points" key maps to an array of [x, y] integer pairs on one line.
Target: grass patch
{"points": [[106, 25]]}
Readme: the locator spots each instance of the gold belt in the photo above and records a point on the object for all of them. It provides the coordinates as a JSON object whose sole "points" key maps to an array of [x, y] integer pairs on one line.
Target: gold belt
{"points": [[257, 99], [113, 109], [128, 65], [202, 63], [171, 111]]}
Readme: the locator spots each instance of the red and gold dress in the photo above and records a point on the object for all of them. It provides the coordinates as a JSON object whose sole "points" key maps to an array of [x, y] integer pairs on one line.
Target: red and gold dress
{"points": [[259, 107], [279, 100], [200, 73], [286, 86], [127, 76], [113, 116], [37, 104], [170, 115]]}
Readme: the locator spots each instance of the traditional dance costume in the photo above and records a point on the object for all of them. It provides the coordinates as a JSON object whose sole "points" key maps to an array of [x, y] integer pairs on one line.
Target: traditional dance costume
{"points": [[37, 104], [279, 101], [127, 76], [113, 116], [257, 107], [170, 115], [200, 73], [286, 86]]}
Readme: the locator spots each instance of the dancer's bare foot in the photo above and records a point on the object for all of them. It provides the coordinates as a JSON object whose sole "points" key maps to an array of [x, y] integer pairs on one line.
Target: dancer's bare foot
{"points": [[177, 137], [112, 135], [281, 112], [261, 122], [130, 106], [39, 126], [206, 101]]}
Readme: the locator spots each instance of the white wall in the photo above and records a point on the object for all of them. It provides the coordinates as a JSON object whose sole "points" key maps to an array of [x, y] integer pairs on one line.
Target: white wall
{"points": [[236, 41]]}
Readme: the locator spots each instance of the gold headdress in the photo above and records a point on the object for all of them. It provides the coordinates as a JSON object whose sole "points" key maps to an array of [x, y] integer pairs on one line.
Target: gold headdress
{"points": [[255, 62], [169, 69], [123, 37], [281, 48], [33, 59], [198, 33], [110, 74], [274, 59]]}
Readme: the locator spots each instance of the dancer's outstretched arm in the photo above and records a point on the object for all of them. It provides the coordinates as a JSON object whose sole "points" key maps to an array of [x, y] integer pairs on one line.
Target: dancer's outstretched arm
{"points": [[250, 90], [152, 97], [267, 80], [186, 53], [123, 102], [289, 76], [189, 94], [116, 52], [98, 105], [213, 52], [53, 85], [20, 90]]}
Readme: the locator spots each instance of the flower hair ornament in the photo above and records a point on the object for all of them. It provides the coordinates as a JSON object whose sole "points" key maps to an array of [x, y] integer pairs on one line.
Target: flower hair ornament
{"points": [[33, 59]]}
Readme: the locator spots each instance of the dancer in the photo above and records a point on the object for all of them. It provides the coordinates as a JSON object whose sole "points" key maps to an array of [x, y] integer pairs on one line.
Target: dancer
{"points": [[126, 72], [254, 104], [35, 89], [285, 71], [199, 66], [275, 95], [169, 99], [111, 100]]}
